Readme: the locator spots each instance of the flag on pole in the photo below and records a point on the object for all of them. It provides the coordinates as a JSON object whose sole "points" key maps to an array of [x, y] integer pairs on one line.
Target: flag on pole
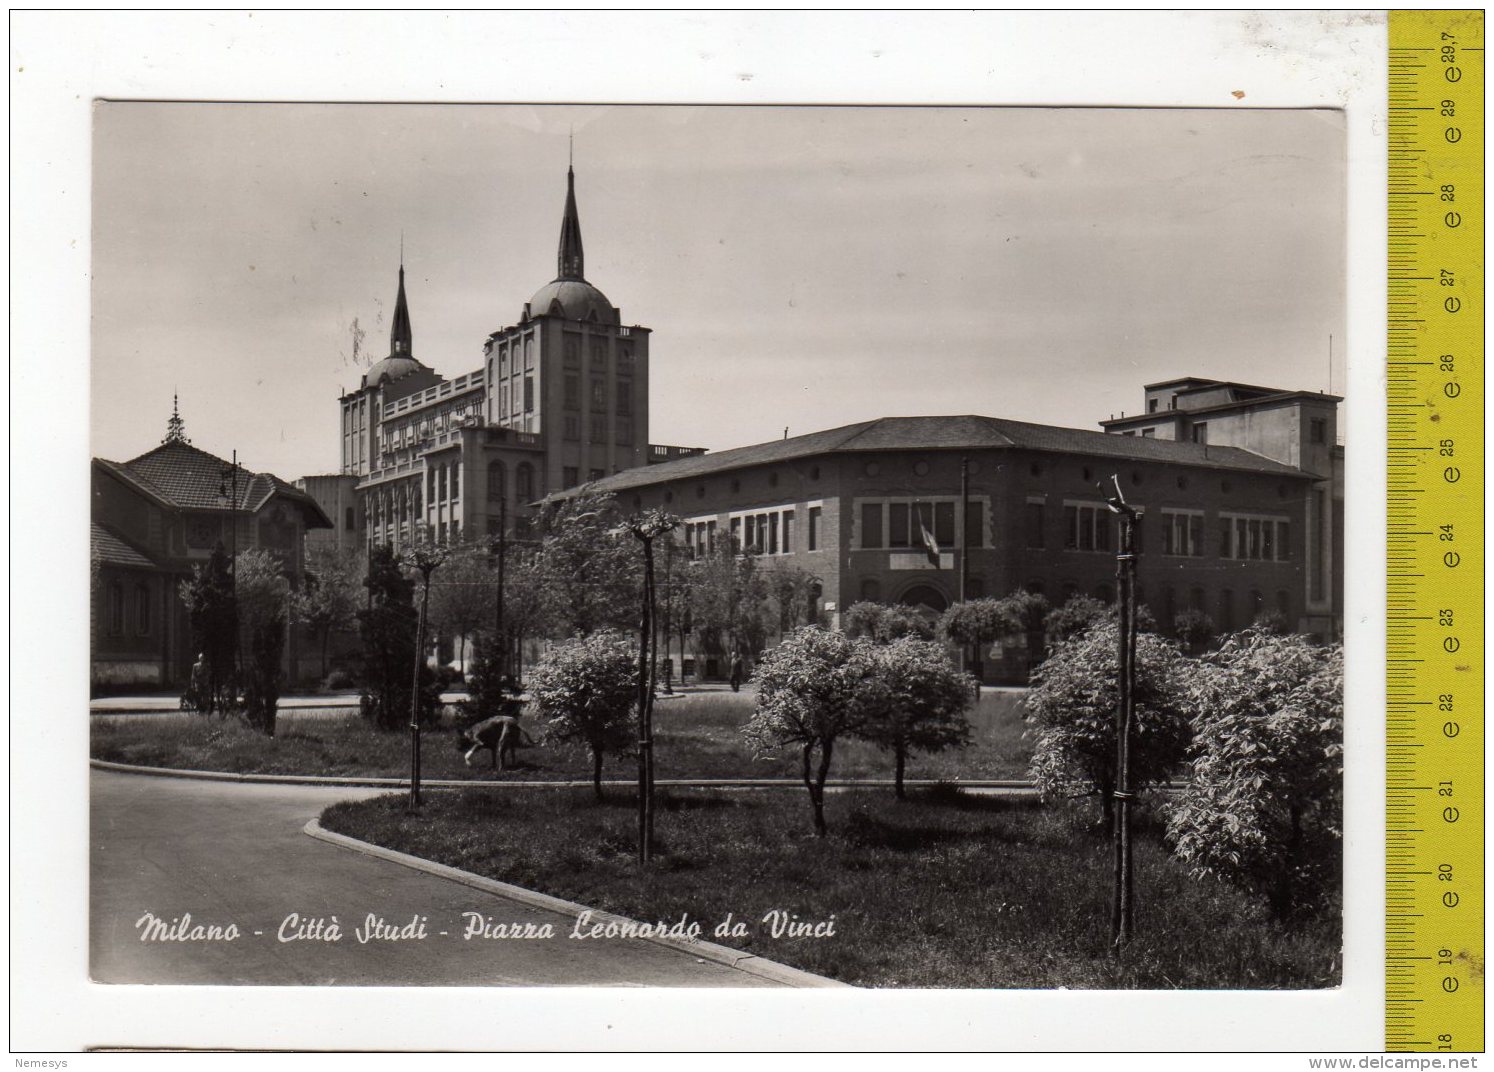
{"points": [[931, 545]]}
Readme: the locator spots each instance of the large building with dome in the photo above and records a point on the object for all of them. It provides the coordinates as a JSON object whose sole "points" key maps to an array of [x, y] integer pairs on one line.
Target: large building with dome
{"points": [[560, 399], [1240, 486]]}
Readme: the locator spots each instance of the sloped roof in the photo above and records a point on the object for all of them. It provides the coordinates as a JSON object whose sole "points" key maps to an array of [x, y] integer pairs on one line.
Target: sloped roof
{"points": [[112, 550], [969, 432], [190, 478]]}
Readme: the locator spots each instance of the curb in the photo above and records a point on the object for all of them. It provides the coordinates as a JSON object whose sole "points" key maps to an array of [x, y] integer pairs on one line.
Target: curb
{"points": [[749, 963], [1013, 785]]}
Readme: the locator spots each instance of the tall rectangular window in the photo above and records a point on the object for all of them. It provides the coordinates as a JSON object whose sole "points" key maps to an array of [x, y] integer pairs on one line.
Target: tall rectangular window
{"points": [[598, 394], [1201, 432], [788, 532], [975, 525], [772, 534], [871, 525], [572, 426], [456, 481], [572, 391], [528, 354], [572, 350], [570, 476], [944, 523], [736, 534], [815, 513], [1318, 429], [625, 431], [528, 394], [897, 525], [624, 398], [599, 429], [1036, 517]]}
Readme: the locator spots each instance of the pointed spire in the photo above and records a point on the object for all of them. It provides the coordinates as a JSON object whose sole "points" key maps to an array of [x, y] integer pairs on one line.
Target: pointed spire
{"points": [[176, 428], [571, 262], [400, 339]]}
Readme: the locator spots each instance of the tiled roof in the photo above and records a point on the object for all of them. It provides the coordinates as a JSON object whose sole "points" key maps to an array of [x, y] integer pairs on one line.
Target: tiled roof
{"points": [[948, 433], [112, 550], [193, 479]]}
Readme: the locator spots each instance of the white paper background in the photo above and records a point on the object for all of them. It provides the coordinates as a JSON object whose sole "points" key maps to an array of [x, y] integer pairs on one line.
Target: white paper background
{"points": [[59, 62]]}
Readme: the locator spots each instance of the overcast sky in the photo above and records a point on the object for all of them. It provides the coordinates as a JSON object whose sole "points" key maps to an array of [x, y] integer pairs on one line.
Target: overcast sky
{"points": [[800, 267]]}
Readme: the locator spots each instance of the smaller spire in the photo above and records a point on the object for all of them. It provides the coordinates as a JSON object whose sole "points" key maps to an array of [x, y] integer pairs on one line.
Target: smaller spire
{"points": [[571, 263], [400, 336], [176, 428]]}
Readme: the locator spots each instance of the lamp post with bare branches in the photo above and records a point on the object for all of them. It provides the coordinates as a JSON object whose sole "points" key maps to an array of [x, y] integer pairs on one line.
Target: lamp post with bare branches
{"points": [[1125, 575], [646, 529], [426, 557]]}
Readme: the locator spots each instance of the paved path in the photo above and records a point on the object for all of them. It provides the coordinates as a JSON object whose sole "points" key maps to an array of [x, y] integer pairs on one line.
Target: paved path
{"points": [[235, 853]]}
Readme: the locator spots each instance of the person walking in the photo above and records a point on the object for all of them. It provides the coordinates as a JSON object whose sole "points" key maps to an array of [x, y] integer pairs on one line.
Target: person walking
{"points": [[736, 671]]}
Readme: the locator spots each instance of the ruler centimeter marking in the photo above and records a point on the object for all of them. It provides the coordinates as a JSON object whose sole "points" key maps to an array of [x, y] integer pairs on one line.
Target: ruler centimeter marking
{"points": [[1434, 795]]}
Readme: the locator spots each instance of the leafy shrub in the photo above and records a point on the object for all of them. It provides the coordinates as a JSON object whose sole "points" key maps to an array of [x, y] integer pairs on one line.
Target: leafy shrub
{"points": [[1072, 709], [815, 687], [920, 705], [885, 622], [1264, 806], [337, 680], [587, 689], [1195, 630]]}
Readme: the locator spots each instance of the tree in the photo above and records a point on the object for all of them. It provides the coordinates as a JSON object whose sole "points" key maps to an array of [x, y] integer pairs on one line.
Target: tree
{"points": [[1195, 630], [1027, 613], [388, 626], [883, 623], [1072, 707], [976, 623], [1073, 617], [328, 600], [729, 602], [1082, 612], [591, 570], [523, 600], [212, 615], [921, 703], [812, 689], [462, 595], [1264, 805], [263, 598], [796, 596], [586, 688]]}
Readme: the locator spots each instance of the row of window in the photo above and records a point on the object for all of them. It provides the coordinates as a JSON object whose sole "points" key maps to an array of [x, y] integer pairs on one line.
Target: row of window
{"points": [[896, 523], [523, 481], [1090, 527], [511, 399], [622, 429], [118, 615], [623, 399], [762, 532]]}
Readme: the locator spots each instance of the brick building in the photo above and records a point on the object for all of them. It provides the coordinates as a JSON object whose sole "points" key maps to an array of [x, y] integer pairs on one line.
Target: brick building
{"points": [[155, 517], [1227, 530]]}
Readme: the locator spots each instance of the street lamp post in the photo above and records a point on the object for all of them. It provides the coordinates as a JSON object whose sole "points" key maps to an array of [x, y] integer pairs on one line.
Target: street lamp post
{"points": [[426, 558], [1121, 917], [646, 529]]}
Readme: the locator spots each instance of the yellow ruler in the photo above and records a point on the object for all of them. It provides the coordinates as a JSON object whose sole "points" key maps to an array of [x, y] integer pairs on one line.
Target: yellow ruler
{"points": [[1434, 885]]}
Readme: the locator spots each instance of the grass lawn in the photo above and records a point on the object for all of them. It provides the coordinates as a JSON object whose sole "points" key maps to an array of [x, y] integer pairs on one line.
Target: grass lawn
{"points": [[698, 735], [949, 889]]}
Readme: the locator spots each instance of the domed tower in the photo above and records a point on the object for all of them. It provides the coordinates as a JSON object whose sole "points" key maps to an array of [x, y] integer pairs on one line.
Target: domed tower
{"points": [[571, 373], [391, 378]]}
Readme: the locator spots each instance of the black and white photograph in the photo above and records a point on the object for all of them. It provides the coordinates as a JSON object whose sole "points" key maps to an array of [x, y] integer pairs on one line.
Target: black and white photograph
{"points": [[762, 544], [906, 453]]}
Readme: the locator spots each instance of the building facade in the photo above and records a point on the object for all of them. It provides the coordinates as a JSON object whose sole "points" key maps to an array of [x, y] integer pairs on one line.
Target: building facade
{"points": [[560, 399], [1225, 530], [153, 519]]}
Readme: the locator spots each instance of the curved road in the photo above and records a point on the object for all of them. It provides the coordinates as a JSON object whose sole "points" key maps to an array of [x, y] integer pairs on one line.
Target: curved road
{"points": [[235, 853]]}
